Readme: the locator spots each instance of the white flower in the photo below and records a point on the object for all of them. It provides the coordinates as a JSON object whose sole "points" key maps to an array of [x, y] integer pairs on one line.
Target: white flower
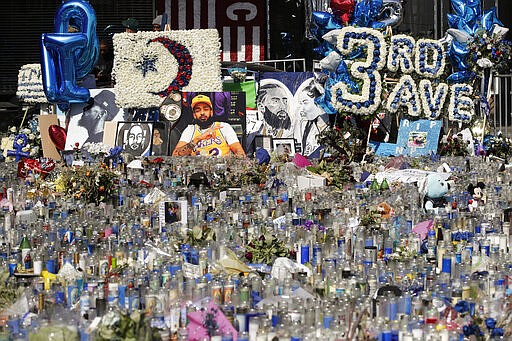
{"points": [[431, 62], [13, 129], [31, 136], [361, 103], [484, 63], [404, 94], [30, 84], [461, 106], [143, 69], [429, 97], [489, 46]]}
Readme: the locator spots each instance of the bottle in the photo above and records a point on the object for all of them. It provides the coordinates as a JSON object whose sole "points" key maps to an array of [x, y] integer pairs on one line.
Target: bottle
{"points": [[26, 257]]}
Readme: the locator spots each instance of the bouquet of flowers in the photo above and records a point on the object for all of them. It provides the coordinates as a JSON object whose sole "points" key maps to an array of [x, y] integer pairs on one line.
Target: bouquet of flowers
{"points": [[498, 145], [265, 249], [489, 51], [123, 326], [22, 141], [453, 146], [94, 184]]}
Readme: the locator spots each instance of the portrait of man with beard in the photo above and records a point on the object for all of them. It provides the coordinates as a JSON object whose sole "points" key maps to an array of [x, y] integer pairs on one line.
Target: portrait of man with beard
{"points": [[101, 109], [205, 136], [135, 137], [273, 107]]}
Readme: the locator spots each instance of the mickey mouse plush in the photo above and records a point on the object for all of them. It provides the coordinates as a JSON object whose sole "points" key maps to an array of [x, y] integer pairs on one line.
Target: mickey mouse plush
{"points": [[477, 194]]}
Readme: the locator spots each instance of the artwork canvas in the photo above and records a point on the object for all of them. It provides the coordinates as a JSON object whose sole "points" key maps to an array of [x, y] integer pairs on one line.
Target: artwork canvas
{"points": [[86, 120], [135, 137], [228, 109]]}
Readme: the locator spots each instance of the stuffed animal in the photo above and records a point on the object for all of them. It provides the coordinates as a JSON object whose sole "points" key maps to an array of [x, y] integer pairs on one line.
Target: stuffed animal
{"points": [[477, 194], [433, 188]]}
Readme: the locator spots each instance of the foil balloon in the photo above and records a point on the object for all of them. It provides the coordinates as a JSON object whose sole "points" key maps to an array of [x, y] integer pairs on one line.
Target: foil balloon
{"points": [[83, 16], [391, 13], [331, 61], [321, 18], [489, 19], [58, 69], [324, 100], [343, 75], [366, 13], [58, 136], [69, 57], [459, 35], [343, 9]]}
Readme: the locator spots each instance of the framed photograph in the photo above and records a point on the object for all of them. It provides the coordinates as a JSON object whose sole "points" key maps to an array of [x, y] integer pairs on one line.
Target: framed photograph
{"points": [[284, 146], [135, 137], [160, 142], [173, 211], [262, 141]]}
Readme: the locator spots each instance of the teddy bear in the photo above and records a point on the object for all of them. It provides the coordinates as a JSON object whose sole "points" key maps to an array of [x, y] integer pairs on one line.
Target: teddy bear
{"points": [[433, 188]]}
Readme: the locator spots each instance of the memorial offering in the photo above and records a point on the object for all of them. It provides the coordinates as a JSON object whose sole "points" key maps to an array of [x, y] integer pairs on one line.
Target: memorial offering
{"points": [[368, 201]]}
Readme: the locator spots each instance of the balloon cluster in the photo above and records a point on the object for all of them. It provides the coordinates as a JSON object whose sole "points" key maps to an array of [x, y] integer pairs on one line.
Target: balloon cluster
{"points": [[326, 25], [70, 53], [361, 13], [465, 22]]}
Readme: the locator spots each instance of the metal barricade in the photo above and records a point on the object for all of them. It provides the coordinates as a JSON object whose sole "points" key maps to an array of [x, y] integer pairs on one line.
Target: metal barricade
{"points": [[288, 65], [501, 106]]}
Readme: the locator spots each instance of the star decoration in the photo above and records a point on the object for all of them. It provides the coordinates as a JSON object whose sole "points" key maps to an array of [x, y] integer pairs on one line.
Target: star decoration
{"points": [[147, 65]]}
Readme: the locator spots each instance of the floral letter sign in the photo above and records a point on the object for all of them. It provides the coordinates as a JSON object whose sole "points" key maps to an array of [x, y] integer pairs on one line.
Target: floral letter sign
{"points": [[150, 65]]}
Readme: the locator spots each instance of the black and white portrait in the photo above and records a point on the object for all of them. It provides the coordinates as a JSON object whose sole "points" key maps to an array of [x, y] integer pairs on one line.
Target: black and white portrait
{"points": [[87, 120], [312, 119], [275, 109], [135, 137]]}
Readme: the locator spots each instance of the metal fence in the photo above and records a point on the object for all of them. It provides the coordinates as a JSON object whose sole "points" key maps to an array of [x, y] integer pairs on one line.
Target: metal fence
{"points": [[501, 107], [288, 65]]}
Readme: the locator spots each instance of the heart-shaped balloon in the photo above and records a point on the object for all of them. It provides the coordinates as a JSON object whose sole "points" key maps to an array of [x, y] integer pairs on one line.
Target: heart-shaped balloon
{"points": [[58, 136], [343, 9]]}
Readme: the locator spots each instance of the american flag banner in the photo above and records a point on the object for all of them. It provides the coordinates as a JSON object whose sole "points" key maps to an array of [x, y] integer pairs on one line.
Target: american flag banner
{"points": [[241, 24]]}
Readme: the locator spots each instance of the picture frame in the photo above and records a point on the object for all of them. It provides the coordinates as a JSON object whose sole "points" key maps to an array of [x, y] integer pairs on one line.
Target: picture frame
{"points": [[135, 137], [173, 211], [263, 141], [286, 145], [160, 141]]}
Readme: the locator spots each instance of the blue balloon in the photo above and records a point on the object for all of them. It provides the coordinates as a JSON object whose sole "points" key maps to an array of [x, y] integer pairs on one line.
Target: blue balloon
{"points": [[83, 16], [458, 53], [343, 75], [324, 100], [333, 24], [489, 18], [321, 18], [460, 77], [58, 67]]}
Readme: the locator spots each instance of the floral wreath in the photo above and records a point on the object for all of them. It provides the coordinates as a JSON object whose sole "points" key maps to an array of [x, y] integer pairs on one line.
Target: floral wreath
{"points": [[182, 55]]}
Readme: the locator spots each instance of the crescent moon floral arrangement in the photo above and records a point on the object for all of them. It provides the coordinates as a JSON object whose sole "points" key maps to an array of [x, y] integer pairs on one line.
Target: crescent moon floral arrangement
{"points": [[149, 65]]}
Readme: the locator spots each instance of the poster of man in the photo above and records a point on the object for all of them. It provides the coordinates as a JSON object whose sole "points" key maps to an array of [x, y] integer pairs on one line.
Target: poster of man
{"points": [[86, 120], [275, 109], [135, 137], [211, 123]]}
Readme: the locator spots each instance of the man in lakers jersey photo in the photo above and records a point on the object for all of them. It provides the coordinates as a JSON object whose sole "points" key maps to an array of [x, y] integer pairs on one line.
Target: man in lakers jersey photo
{"points": [[205, 136]]}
